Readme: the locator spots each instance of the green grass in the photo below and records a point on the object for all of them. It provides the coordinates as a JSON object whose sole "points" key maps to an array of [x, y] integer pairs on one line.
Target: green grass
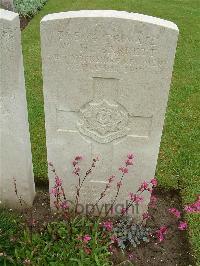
{"points": [[179, 159], [9, 230], [56, 243]]}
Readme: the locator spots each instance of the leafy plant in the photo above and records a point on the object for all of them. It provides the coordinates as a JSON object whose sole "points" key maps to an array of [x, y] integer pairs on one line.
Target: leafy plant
{"points": [[28, 8], [88, 240], [82, 242], [9, 231], [130, 234]]}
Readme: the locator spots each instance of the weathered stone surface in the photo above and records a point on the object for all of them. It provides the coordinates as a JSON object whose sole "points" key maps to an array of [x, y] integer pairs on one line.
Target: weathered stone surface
{"points": [[7, 4], [15, 148], [106, 82]]}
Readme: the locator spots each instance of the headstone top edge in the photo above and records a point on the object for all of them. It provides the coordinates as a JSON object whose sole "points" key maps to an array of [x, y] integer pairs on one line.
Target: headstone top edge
{"points": [[8, 15], [111, 14]]}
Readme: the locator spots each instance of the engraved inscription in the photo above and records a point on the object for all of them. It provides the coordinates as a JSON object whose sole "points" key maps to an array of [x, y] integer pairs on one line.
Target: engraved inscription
{"points": [[117, 50]]}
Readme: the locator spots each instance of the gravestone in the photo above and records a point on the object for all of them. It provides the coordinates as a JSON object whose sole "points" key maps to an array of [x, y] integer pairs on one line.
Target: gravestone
{"points": [[106, 83], [15, 148], [7, 4]]}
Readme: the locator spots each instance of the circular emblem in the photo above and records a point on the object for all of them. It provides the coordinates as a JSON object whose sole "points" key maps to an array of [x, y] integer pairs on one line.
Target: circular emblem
{"points": [[103, 121]]}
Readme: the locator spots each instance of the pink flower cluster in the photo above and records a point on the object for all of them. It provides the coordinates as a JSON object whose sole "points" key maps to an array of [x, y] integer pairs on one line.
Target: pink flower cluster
{"points": [[119, 184], [135, 198], [86, 238], [148, 185], [84, 242], [128, 162], [182, 225], [111, 179], [58, 182], [161, 232], [124, 170], [145, 216], [194, 207], [145, 186], [175, 212], [75, 163], [108, 225], [57, 191]]}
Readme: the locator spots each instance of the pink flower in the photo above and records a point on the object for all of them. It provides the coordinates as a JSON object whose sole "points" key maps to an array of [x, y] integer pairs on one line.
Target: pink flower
{"points": [[124, 170], [128, 162], [86, 239], [144, 186], [74, 163], [161, 232], [132, 196], [131, 256], [124, 210], [78, 158], [58, 181], [154, 182], [51, 164], [64, 205], [119, 184], [111, 178], [145, 216], [135, 198], [138, 199], [76, 170], [130, 156], [194, 207], [108, 225], [113, 239], [182, 226], [111, 249], [189, 208], [175, 212], [87, 250], [54, 192]]}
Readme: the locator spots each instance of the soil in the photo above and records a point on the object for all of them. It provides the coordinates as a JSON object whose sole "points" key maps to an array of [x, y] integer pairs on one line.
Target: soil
{"points": [[24, 22], [173, 251]]}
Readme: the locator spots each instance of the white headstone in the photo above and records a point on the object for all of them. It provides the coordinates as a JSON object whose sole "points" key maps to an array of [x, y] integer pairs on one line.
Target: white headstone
{"points": [[106, 83], [7, 4], [15, 148]]}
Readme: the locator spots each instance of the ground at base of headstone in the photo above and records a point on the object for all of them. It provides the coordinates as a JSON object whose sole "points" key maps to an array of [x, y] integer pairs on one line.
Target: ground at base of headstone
{"points": [[174, 250], [24, 22]]}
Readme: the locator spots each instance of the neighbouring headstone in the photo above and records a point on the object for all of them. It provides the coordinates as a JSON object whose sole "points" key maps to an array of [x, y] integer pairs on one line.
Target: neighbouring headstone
{"points": [[106, 83], [15, 148], [7, 4]]}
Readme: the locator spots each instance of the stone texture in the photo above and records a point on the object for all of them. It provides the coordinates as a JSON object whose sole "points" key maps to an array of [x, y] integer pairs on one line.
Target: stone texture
{"points": [[15, 148], [106, 83], [7, 4]]}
